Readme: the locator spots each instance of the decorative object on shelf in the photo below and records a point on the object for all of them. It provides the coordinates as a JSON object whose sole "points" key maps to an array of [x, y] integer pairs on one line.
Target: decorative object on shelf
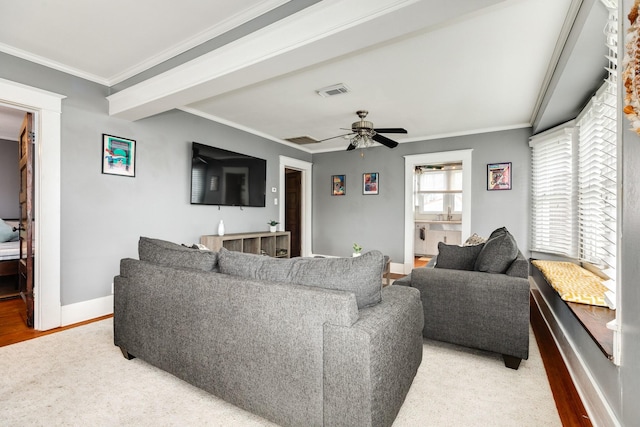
{"points": [[272, 225], [338, 185], [499, 176], [118, 156], [221, 228], [631, 69], [357, 250], [370, 183]]}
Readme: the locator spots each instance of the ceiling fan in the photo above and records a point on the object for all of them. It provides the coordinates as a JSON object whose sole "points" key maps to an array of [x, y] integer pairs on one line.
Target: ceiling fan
{"points": [[363, 134]]}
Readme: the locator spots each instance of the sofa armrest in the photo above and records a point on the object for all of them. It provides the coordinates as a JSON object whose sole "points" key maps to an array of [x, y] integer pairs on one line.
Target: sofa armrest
{"points": [[385, 351], [475, 309]]}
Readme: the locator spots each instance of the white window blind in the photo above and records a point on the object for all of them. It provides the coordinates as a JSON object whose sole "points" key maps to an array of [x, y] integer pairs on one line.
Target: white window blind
{"points": [[553, 229], [597, 180]]}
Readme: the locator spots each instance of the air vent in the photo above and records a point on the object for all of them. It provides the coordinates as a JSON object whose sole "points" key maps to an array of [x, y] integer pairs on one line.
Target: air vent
{"points": [[334, 90], [302, 140]]}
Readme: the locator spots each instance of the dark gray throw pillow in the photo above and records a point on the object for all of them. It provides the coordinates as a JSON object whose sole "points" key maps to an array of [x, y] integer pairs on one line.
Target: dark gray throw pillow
{"points": [[498, 252], [361, 275], [174, 255], [457, 257]]}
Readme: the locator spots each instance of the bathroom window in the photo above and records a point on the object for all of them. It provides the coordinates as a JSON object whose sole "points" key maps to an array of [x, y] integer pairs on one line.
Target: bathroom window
{"points": [[439, 189]]}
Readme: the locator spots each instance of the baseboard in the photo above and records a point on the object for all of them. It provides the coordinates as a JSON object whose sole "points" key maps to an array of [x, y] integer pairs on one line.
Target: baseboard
{"points": [[86, 310], [599, 410]]}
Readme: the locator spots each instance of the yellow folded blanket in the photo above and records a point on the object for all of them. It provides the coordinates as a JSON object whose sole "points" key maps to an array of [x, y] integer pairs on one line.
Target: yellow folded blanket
{"points": [[572, 282]]}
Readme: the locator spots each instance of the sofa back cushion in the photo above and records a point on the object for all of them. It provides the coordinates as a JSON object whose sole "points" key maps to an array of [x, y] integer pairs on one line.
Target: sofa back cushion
{"points": [[497, 254], [457, 257], [172, 254], [360, 275]]}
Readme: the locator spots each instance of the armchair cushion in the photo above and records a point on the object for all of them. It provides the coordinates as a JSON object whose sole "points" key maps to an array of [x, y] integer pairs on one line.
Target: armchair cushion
{"points": [[457, 257], [497, 253]]}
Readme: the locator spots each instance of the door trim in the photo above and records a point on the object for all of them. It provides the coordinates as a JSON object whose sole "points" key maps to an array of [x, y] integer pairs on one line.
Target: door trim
{"points": [[421, 159], [306, 196], [47, 109]]}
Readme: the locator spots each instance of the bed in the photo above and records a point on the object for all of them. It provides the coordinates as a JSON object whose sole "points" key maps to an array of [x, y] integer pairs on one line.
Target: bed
{"points": [[9, 255]]}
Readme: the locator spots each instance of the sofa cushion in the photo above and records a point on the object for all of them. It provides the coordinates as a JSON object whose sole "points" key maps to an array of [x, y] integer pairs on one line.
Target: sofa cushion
{"points": [[497, 254], [174, 255], [361, 275], [457, 257]]}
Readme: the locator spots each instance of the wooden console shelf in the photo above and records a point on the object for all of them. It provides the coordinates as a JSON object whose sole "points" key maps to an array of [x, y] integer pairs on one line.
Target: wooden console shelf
{"points": [[276, 244]]}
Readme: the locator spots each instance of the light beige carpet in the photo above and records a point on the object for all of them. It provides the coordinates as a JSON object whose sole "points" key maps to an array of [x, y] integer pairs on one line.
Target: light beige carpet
{"points": [[79, 378]]}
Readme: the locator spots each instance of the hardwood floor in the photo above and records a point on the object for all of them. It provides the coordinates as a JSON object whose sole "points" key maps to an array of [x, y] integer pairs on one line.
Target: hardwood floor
{"points": [[13, 325], [572, 413]]}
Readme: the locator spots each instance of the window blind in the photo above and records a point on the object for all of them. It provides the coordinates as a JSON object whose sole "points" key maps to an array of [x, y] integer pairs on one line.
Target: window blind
{"points": [[553, 229]]}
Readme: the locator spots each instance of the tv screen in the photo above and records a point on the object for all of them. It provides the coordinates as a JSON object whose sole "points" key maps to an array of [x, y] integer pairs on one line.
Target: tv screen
{"points": [[226, 178]]}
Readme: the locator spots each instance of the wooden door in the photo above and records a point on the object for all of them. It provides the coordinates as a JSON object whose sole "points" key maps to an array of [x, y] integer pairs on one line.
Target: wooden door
{"points": [[25, 264], [293, 209]]}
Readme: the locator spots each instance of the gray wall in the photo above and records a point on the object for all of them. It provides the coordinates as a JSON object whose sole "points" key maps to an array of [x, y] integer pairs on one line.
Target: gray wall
{"points": [[102, 216], [9, 179], [377, 222]]}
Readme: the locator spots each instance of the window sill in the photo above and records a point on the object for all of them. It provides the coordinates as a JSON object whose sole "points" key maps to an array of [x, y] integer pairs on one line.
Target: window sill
{"points": [[593, 318]]}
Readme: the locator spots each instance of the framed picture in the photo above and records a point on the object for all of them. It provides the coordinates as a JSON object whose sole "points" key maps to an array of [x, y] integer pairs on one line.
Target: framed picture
{"points": [[499, 176], [338, 187], [370, 183], [118, 155]]}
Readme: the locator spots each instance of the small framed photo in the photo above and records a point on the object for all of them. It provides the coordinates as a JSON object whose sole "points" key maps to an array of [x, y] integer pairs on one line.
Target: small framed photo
{"points": [[370, 183], [118, 155], [499, 176], [338, 187]]}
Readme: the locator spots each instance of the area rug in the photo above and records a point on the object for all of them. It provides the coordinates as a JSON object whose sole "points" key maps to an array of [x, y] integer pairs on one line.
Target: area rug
{"points": [[78, 377]]}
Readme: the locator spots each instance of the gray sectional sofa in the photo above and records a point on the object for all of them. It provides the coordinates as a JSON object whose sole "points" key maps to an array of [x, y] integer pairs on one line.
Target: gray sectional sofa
{"points": [[477, 296], [278, 338]]}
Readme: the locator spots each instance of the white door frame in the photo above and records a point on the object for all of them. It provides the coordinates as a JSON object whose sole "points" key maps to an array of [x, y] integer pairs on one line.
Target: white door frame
{"points": [[410, 162], [305, 168], [47, 109]]}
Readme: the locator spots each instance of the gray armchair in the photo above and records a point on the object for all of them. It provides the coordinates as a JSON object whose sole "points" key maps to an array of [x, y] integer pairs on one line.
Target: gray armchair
{"points": [[487, 310]]}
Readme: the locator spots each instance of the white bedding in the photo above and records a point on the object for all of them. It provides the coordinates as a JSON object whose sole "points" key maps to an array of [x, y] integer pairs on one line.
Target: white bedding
{"points": [[9, 250]]}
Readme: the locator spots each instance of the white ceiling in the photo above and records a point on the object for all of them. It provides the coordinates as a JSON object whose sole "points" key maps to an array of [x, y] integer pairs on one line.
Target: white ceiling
{"points": [[435, 68]]}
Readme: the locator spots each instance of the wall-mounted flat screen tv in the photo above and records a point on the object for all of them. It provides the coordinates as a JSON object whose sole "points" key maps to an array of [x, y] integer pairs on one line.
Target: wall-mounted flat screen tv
{"points": [[226, 178]]}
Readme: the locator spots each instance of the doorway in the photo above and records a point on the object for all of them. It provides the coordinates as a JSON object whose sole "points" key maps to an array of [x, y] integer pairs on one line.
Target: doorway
{"points": [[303, 170], [293, 209], [411, 162], [47, 109]]}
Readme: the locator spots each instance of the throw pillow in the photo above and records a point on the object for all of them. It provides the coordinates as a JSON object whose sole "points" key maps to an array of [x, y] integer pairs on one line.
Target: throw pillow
{"points": [[498, 252], [361, 275], [474, 239], [457, 257], [6, 233], [174, 255]]}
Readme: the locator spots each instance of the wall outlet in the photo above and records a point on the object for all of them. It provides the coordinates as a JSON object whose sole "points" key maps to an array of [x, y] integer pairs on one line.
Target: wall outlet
{"points": [[274, 190]]}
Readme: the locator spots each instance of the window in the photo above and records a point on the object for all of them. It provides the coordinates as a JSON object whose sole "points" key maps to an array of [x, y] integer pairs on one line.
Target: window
{"points": [[574, 187], [438, 189]]}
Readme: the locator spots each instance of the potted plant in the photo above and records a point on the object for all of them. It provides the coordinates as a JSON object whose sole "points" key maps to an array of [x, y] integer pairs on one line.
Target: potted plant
{"points": [[357, 250], [272, 225]]}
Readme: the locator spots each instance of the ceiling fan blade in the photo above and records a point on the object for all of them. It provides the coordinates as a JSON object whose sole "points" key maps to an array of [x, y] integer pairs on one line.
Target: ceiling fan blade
{"points": [[384, 140], [351, 147], [337, 136], [391, 130]]}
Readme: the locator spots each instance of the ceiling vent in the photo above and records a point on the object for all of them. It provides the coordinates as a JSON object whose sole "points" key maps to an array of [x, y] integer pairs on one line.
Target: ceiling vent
{"points": [[334, 90], [302, 140]]}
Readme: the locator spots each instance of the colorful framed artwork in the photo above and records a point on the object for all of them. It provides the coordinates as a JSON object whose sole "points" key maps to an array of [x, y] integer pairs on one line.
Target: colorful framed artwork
{"points": [[338, 185], [499, 176], [118, 156], [370, 183]]}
